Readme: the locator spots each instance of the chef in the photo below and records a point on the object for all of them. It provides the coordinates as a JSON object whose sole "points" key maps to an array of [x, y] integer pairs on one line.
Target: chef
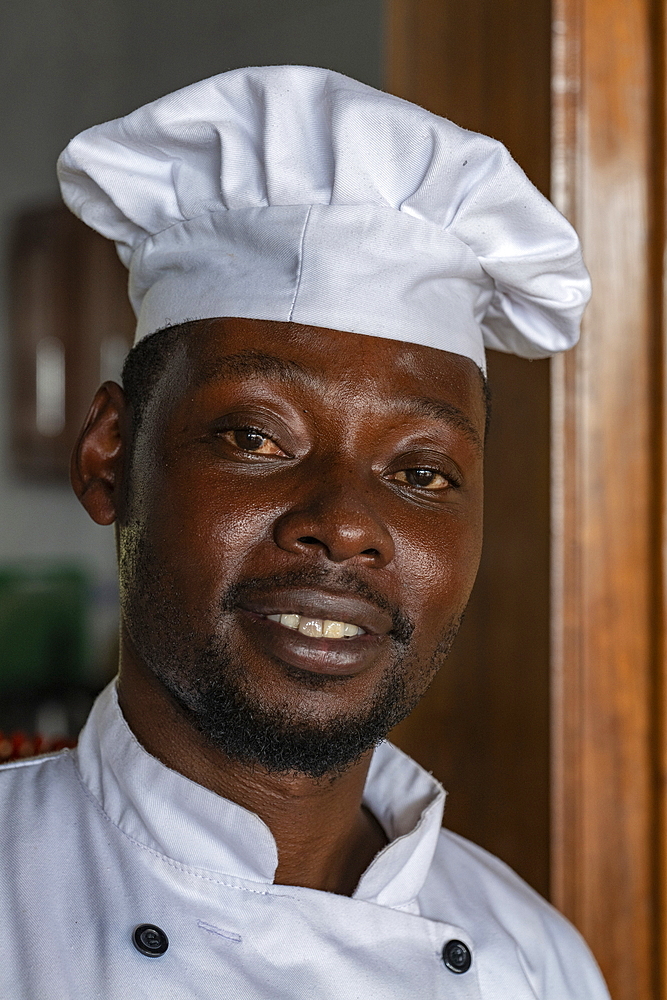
{"points": [[294, 469]]}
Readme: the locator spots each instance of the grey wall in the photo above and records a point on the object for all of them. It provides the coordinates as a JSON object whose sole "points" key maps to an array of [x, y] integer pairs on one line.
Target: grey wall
{"points": [[67, 64]]}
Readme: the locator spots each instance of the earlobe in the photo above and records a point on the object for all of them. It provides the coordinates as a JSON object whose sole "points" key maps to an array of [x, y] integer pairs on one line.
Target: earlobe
{"points": [[96, 466]]}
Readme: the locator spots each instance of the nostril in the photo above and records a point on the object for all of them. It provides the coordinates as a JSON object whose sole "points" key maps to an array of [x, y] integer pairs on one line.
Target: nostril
{"points": [[312, 540]]}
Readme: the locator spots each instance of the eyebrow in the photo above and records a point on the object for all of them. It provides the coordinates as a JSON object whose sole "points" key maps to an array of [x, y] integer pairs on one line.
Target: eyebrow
{"points": [[424, 406], [251, 363]]}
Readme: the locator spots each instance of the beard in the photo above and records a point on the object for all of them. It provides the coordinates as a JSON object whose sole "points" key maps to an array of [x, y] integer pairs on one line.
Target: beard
{"points": [[205, 674]]}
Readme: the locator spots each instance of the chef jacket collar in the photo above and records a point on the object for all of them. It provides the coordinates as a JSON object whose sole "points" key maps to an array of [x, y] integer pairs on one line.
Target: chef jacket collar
{"points": [[174, 816]]}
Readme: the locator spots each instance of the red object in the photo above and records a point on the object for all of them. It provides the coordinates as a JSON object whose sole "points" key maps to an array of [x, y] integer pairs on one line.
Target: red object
{"points": [[19, 745]]}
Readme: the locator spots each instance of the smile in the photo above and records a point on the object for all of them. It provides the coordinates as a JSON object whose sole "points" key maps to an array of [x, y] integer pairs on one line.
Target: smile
{"points": [[317, 628], [317, 632]]}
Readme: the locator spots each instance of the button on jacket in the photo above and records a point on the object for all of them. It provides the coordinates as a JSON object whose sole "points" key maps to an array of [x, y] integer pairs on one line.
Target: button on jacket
{"points": [[120, 878]]}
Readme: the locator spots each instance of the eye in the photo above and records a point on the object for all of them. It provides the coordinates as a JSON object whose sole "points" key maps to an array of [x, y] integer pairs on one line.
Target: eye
{"points": [[423, 478], [253, 440]]}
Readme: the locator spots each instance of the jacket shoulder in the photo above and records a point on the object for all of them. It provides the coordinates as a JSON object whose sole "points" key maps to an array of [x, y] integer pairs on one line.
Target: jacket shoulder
{"points": [[470, 887], [36, 787]]}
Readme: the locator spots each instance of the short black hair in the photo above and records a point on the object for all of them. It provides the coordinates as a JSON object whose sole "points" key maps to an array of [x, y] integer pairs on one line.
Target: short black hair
{"points": [[149, 359], [144, 366], [486, 396]]}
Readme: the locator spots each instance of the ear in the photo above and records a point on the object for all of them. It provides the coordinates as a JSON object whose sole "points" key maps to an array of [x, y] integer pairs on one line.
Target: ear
{"points": [[96, 468]]}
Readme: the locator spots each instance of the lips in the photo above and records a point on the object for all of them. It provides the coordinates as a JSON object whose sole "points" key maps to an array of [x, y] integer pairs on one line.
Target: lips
{"points": [[322, 605], [301, 646]]}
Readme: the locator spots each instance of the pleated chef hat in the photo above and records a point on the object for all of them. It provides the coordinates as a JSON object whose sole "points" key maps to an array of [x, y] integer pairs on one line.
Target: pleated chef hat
{"points": [[296, 193]]}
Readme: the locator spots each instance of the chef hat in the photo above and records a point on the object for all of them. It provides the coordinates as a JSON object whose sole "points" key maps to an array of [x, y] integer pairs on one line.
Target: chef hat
{"points": [[295, 193]]}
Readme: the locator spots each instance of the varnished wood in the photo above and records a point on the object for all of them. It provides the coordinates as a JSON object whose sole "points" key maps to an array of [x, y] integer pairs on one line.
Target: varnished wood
{"points": [[483, 63], [66, 282], [659, 241], [605, 399], [40, 247]]}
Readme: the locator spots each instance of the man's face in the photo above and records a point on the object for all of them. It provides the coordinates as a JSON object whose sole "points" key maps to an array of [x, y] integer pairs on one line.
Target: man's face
{"points": [[301, 532]]}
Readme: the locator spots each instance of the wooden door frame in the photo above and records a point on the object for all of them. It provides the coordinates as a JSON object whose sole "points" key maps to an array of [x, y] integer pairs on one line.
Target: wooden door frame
{"points": [[606, 415]]}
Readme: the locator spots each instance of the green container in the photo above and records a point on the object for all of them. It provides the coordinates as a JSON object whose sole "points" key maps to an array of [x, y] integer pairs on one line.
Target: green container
{"points": [[43, 611]]}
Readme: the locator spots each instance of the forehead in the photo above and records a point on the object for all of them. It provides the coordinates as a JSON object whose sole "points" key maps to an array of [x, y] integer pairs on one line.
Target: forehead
{"points": [[329, 363]]}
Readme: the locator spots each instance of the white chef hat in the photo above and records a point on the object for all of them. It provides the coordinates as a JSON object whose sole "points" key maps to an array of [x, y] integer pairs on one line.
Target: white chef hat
{"points": [[295, 193]]}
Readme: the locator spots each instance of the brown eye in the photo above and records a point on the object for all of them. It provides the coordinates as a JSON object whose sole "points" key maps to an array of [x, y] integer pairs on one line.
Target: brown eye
{"points": [[248, 439], [251, 439], [427, 479]]}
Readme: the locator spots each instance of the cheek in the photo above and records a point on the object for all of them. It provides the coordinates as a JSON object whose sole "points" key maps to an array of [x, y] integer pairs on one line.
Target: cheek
{"points": [[438, 566], [201, 525]]}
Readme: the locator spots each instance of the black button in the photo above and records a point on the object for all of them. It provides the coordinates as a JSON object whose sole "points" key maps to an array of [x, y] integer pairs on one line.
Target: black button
{"points": [[456, 956], [150, 940]]}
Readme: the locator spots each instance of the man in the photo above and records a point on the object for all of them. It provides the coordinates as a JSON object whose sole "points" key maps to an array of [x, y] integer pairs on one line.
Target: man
{"points": [[294, 468]]}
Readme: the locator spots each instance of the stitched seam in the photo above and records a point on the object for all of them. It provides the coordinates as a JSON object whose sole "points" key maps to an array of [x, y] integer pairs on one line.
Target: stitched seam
{"points": [[298, 277], [12, 765], [170, 861], [212, 929]]}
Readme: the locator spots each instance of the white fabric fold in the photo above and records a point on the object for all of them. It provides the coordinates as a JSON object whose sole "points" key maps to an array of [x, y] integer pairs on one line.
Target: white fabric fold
{"points": [[168, 813], [164, 810], [419, 231]]}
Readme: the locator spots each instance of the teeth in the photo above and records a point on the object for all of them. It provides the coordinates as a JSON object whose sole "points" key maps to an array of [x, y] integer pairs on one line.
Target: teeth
{"points": [[311, 626], [318, 628], [334, 630]]}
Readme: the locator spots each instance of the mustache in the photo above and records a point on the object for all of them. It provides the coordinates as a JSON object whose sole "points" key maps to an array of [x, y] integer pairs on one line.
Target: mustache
{"points": [[345, 582]]}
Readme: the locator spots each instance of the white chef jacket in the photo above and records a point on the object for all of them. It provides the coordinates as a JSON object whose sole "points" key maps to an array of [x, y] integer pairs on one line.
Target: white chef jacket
{"points": [[104, 838]]}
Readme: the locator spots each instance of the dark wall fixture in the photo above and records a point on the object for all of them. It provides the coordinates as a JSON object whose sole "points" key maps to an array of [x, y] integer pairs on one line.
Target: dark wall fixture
{"points": [[71, 326]]}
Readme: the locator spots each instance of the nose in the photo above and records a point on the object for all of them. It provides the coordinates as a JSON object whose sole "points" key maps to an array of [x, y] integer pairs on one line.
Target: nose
{"points": [[337, 523]]}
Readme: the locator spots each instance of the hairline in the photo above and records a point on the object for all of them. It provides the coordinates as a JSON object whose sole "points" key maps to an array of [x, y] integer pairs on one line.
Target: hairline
{"points": [[258, 361]]}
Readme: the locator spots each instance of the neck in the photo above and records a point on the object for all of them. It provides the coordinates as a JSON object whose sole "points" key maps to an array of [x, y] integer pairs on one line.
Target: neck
{"points": [[325, 837]]}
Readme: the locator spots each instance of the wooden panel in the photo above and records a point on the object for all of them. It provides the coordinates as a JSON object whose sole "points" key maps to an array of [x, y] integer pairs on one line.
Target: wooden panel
{"points": [[41, 315], [483, 729], [483, 63], [659, 243], [605, 397], [71, 324]]}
